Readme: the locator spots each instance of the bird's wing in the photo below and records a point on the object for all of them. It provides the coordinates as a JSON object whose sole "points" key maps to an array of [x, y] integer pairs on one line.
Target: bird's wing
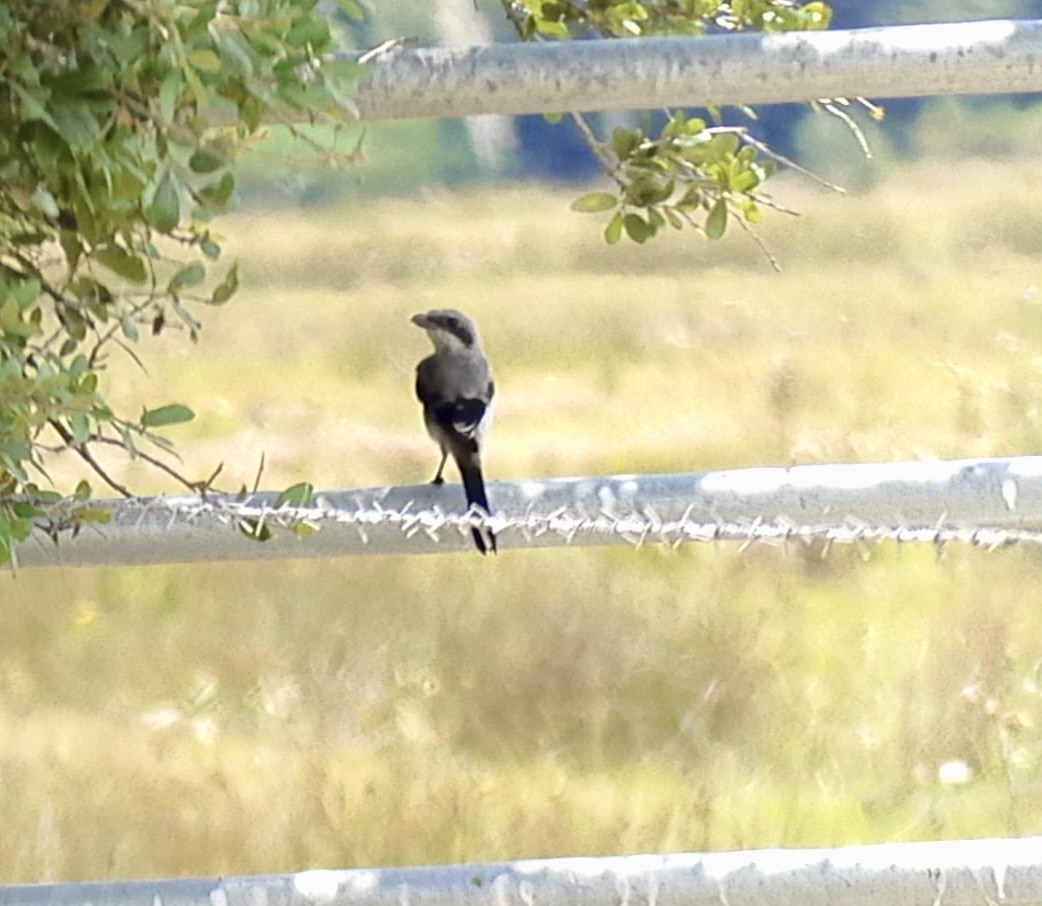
{"points": [[456, 396], [460, 419]]}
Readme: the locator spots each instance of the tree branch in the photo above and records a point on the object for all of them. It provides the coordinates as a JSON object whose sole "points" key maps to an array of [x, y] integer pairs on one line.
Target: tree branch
{"points": [[195, 486], [85, 454]]}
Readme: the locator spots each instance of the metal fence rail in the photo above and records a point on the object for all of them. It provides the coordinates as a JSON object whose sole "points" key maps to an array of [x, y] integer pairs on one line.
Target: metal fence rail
{"points": [[950, 873], [981, 501], [989, 57]]}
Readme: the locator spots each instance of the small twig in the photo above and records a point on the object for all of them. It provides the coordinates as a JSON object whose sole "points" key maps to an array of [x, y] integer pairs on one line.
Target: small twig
{"points": [[260, 471], [769, 202], [691, 222], [876, 111], [103, 338], [386, 47], [598, 147], [789, 162], [85, 454], [147, 457], [832, 106], [133, 355], [752, 234], [515, 16]]}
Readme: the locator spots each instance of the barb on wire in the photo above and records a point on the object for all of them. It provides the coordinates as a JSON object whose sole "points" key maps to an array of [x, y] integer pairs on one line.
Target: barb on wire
{"points": [[636, 528]]}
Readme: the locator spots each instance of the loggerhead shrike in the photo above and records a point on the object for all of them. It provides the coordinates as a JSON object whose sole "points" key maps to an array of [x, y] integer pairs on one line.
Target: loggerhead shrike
{"points": [[456, 388]]}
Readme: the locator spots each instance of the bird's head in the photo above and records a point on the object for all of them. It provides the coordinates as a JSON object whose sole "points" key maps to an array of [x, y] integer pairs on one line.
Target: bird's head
{"points": [[449, 330]]}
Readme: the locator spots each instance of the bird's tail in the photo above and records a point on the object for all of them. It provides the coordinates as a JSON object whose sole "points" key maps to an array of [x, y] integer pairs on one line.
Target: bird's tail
{"points": [[474, 488]]}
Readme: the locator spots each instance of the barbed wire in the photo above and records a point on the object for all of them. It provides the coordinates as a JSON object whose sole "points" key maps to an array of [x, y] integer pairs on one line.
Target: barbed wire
{"points": [[637, 528], [987, 503]]}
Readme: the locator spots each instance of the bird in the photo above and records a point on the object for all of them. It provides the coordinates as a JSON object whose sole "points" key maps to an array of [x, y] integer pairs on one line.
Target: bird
{"points": [[455, 386]]}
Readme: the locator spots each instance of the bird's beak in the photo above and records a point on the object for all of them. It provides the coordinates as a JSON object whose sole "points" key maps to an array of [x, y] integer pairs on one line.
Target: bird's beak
{"points": [[421, 320]]}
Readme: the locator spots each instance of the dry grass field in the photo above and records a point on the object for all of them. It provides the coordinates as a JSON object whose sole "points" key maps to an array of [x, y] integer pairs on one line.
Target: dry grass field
{"points": [[239, 718]]}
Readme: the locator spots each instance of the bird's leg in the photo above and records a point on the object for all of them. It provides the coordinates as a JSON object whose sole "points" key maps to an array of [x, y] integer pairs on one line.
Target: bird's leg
{"points": [[437, 478]]}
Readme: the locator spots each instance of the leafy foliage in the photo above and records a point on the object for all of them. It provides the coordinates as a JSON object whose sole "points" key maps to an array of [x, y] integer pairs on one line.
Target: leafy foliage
{"points": [[691, 173], [120, 121], [638, 18]]}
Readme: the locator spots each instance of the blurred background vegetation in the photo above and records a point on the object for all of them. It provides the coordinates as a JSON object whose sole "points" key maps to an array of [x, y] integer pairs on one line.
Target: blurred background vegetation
{"points": [[240, 718], [404, 157]]}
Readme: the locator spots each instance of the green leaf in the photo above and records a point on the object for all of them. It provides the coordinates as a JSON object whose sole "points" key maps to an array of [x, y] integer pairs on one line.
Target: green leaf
{"points": [[92, 514], [172, 414], [25, 510], [613, 231], [25, 292], [205, 60], [745, 181], [625, 141], [164, 213], [637, 228], [254, 529], [195, 85], [594, 201], [10, 317], [122, 262], [209, 248], [727, 142], [235, 54], [216, 196], [89, 289], [299, 494], [308, 30], [649, 189], [816, 15], [352, 9], [31, 106], [80, 424], [82, 491], [189, 275], [227, 287], [716, 222], [77, 124], [169, 94], [551, 29], [45, 202], [129, 328], [207, 160]]}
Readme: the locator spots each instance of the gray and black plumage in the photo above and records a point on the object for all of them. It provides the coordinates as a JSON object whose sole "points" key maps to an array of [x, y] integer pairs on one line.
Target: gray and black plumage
{"points": [[455, 386]]}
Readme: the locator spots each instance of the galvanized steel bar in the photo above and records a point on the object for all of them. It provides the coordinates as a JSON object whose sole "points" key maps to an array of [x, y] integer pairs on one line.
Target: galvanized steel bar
{"points": [[947, 873], [985, 501], [986, 57]]}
